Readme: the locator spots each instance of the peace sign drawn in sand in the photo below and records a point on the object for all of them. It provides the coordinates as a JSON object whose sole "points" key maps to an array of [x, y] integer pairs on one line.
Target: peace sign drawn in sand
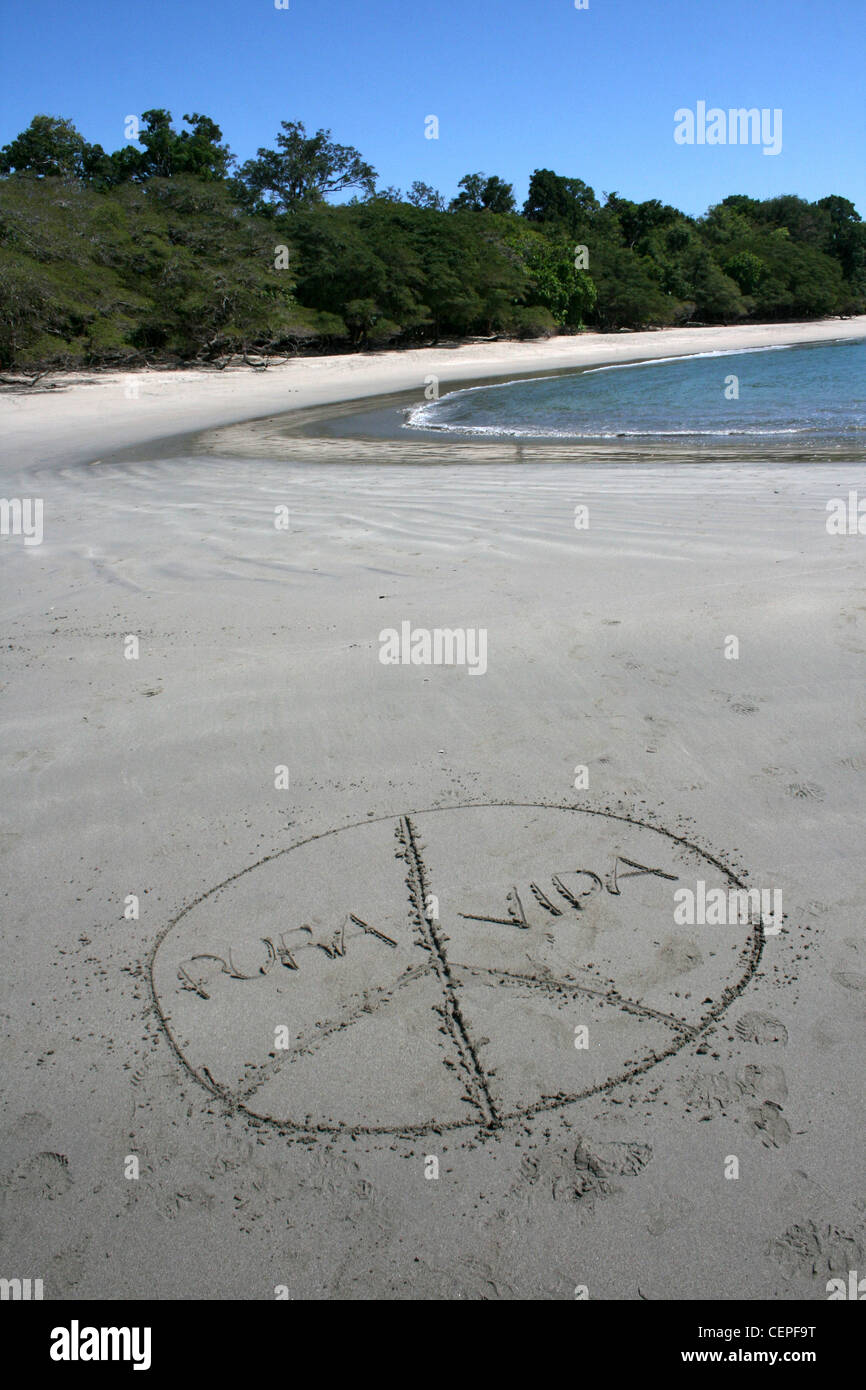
{"points": [[430, 971]]}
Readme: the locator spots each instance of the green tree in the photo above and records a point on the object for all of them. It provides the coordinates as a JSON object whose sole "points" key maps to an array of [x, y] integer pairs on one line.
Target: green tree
{"points": [[421, 195], [568, 294], [167, 153], [747, 270], [483, 193], [304, 169], [50, 147], [846, 240], [568, 203], [628, 295]]}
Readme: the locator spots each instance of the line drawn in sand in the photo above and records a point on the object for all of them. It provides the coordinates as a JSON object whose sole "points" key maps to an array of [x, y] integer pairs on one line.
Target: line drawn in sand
{"points": [[403, 1022]]}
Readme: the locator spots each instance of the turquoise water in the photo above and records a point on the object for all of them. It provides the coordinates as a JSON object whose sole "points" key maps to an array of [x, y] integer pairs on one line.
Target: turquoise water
{"points": [[798, 394]]}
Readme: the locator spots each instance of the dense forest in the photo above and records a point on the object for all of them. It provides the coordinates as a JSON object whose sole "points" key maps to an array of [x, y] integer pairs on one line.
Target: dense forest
{"points": [[168, 250]]}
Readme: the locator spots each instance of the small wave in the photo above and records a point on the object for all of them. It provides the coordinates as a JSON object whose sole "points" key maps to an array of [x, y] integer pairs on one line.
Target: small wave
{"points": [[529, 432], [691, 357]]}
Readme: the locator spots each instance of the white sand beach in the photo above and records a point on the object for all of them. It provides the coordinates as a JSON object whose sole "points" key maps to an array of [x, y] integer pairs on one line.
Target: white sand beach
{"points": [[413, 1029], [110, 410]]}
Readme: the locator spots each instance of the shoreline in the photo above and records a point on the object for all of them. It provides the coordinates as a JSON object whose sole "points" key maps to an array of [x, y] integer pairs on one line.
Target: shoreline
{"points": [[91, 417]]}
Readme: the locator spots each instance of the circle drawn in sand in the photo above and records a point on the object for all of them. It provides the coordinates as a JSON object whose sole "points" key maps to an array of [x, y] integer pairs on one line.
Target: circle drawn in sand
{"points": [[434, 970]]}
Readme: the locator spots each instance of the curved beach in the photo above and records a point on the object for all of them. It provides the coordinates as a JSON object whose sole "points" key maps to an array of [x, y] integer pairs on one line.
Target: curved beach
{"points": [[91, 415], [678, 646]]}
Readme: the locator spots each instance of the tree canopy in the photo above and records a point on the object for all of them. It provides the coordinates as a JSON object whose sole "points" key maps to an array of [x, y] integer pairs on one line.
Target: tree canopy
{"points": [[166, 250], [480, 193], [304, 169]]}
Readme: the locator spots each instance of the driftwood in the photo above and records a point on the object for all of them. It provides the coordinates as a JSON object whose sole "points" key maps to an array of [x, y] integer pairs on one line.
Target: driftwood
{"points": [[23, 381]]}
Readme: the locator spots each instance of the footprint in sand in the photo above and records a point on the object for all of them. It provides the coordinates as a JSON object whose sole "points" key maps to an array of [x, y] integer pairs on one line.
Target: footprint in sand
{"points": [[849, 979], [712, 1092], [767, 1123], [765, 1082], [806, 791], [807, 1248], [671, 1211], [798, 1191], [761, 1028], [30, 1127], [742, 706], [68, 1267], [738, 704], [45, 1175], [587, 1172], [620, 1159]]}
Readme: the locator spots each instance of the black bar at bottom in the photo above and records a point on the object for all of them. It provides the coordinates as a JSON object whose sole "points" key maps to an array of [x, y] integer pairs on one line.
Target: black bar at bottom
{"points": [[255, 1338]]}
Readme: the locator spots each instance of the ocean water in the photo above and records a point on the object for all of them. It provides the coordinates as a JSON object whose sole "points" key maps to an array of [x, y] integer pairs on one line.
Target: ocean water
{"points": [[801, 395]]}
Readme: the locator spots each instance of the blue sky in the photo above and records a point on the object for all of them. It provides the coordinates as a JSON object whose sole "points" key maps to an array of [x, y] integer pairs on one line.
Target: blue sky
{"points": [[516, 84]]}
